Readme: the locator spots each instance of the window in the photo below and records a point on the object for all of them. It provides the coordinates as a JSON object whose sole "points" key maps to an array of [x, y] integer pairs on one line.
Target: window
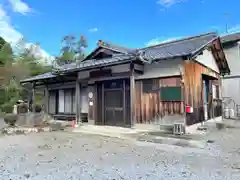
{"points": [[68, 101], [61, 101], [52, 102], [215, 91], [74, 101], [65, 101], [147, 85]]}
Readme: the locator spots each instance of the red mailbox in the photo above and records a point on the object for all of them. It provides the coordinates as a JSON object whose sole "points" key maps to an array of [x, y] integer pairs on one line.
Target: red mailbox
{"points": [[189, 109]]}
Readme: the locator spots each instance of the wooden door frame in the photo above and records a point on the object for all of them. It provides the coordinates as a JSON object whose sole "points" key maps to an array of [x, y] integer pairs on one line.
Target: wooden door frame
{"points": [[102, 108]]}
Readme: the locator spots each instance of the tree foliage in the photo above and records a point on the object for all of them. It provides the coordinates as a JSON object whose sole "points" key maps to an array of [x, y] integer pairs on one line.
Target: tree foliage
{"points": [[72, 49], [16, 66], [5, 52]]}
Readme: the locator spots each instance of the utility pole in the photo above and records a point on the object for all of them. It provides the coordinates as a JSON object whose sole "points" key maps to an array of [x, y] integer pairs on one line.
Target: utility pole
{"points": [[227, 16]]}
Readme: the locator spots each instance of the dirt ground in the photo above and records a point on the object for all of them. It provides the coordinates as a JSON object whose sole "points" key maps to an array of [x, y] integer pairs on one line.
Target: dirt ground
{"points": [[66, 155]]}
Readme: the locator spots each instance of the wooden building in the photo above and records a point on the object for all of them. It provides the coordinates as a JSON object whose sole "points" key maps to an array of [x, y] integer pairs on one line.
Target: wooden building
{"points": [[126, 87]]}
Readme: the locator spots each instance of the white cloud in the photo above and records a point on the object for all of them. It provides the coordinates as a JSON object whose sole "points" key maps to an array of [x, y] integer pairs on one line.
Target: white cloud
{"points": [[12, 35], [157, 41], [20, 6], [39, 53], [7, 31], [93, 30], [169, 3]]}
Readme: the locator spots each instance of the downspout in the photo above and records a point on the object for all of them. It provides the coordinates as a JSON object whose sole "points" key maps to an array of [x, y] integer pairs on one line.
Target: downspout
{"points": [[181, 69]]}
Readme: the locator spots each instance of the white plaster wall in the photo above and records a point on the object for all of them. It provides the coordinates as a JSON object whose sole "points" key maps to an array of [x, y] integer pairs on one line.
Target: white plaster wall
{"points": [[164, 68], [231, 89], [115, 69], [208, 60], [233, 58], [231, 85], [120, 68]]}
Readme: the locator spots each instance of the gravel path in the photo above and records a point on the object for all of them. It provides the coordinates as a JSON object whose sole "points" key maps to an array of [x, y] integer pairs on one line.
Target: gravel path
{"points": [[64, 155]]}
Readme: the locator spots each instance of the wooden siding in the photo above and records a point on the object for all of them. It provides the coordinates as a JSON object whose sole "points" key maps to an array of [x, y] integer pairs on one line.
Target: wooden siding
{"points": [[149, 106], [193, 72]]}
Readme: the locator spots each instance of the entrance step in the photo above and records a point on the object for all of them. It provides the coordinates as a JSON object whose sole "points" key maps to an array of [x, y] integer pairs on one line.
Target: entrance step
{"points": [[105, 130]]}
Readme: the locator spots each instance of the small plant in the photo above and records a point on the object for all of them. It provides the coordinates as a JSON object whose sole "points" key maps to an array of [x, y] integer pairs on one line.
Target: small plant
{"points": [[10, 119], [38, 108], [22, 108], [7, 108]]}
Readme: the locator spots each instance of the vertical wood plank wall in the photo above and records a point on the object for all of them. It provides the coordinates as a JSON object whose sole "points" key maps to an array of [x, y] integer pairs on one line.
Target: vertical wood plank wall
{"points": [[149, 106], [194, 89]]}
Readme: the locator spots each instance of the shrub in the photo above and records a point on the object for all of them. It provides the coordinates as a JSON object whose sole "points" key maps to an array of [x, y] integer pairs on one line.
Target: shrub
{"points": [[7, 108], [22, 108], [38, 108], [10, 119]]}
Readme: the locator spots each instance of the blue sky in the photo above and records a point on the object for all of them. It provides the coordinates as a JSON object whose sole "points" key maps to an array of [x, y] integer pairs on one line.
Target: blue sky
{"points": [[126, 22]]}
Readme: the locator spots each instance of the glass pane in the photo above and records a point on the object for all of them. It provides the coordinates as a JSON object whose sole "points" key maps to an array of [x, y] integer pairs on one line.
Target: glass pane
{"points": [[52, 102], [74, 101], [61, 101], [113, 84], [114, 98], [68, 101]]}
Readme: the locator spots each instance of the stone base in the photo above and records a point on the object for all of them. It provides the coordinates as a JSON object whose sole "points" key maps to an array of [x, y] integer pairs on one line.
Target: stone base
{"points": [[31, 119], [22, 130]]}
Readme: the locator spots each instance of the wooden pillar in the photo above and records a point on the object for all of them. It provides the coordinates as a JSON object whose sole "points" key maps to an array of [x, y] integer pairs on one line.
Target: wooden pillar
{"points": [[33, 97], [132, 95], [77, 103], [46, 97]]}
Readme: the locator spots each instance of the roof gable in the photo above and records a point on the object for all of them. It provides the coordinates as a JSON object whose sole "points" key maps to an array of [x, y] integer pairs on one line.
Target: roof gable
{"points": [[108, 49], [219, 56]]}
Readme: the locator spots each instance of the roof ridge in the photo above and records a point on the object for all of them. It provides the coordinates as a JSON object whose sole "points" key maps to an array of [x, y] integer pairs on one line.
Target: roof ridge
{"points": [[102, 42], [229, 34], [179, 40]]}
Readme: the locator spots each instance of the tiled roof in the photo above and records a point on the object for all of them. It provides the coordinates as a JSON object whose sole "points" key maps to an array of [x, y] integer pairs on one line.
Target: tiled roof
{"points": [[88, 64], [115, 47], [181, 47], [230, 38], [39, 77]]}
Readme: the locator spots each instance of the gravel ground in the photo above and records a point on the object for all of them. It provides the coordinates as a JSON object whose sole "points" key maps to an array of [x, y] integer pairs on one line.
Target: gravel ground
{"points": [[65, 155]]}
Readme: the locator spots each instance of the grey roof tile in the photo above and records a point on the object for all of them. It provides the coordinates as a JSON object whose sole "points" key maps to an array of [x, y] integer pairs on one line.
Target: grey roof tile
{"points": [[230, 37], [47, 75], [96, 63], [115, 47], [181, 47]]}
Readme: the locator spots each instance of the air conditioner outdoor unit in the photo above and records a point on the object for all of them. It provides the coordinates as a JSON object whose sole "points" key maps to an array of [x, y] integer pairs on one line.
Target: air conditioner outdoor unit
{"points": [[178, 129]]}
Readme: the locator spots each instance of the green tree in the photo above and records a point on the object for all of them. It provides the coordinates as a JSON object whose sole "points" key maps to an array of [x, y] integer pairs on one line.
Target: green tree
{"points": [[6, 53], [24, 64], [72, 49]]}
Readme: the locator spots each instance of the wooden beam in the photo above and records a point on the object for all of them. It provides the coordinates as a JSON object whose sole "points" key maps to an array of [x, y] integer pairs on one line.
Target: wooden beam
{"points": [[46, 97], [132, 96], [33, 97], [77, 103]]}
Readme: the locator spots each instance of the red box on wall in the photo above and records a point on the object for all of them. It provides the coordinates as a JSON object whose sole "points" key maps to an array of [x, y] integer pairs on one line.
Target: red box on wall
{"points": [[189, 109]]}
